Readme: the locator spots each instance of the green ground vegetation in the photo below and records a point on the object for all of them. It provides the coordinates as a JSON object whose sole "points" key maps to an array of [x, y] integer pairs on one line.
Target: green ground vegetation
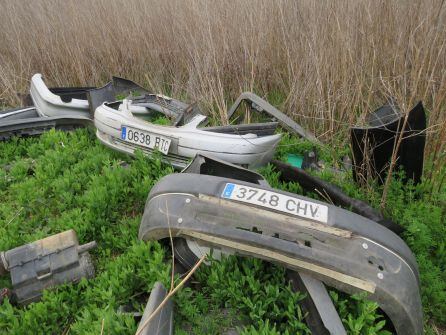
{"points": [[66, 181]]}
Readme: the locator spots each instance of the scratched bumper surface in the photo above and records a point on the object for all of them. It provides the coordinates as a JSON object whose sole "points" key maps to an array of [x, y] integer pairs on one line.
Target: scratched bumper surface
{"points": [[350, 252]]}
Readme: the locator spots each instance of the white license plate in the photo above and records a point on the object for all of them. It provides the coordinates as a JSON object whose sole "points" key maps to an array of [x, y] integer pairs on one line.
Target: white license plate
{"points": [[145, 139], [277, 201]]}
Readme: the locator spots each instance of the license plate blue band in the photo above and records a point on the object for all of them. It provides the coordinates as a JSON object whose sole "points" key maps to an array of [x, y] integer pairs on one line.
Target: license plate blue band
{"points": [[227, 192]]}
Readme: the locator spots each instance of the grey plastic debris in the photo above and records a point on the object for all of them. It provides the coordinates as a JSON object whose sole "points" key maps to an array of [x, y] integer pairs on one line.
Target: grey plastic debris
{"points": [[187, 252], [46, 263], [25, 122], [142, 101], [162, 322], [321, 315], [338, 247], [260, 105], [110, 92], [18, 113], [180, 112]]}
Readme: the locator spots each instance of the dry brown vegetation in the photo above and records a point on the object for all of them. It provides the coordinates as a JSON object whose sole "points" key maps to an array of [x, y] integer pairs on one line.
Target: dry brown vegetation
{"points": [[325, 63]]}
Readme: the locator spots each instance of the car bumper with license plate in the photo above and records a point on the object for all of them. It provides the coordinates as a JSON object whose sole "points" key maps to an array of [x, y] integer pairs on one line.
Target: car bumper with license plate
{"points": [[178, 145], [115, 143], [344, 250]]}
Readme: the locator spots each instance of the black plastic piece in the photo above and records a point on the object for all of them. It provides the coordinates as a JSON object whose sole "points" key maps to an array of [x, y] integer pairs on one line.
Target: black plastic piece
{"points": [[260, 129], [68, 93], [311, 183], [65, 93], [207, 165], [373, 145]]}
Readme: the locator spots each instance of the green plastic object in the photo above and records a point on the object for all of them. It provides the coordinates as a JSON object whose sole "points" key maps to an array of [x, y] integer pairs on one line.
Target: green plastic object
{"points": [[295, 160]]}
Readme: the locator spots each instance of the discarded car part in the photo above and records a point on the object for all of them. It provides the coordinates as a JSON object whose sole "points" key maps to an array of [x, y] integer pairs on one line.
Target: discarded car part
{"points": [[48, 103], [162, 322], [45, 263], [321, 315], [374, 144], [188, 252], [187, 117], [142, 101], [311, 183], [295, 160], [119, 129], [31, 121], [260, 105], [267, 128], [65, 93], [205, 164], [110, 91], [18, 113], [32, 126], [77, 101], [338, 247], [179, 111], [309, 160]]}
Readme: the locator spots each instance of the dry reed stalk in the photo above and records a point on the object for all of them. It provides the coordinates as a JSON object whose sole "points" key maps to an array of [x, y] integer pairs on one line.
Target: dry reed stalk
{"points": [[324, 63]]}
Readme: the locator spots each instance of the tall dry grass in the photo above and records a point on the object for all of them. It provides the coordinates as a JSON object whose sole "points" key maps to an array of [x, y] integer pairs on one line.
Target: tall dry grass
{"points": [[325, 62]]}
